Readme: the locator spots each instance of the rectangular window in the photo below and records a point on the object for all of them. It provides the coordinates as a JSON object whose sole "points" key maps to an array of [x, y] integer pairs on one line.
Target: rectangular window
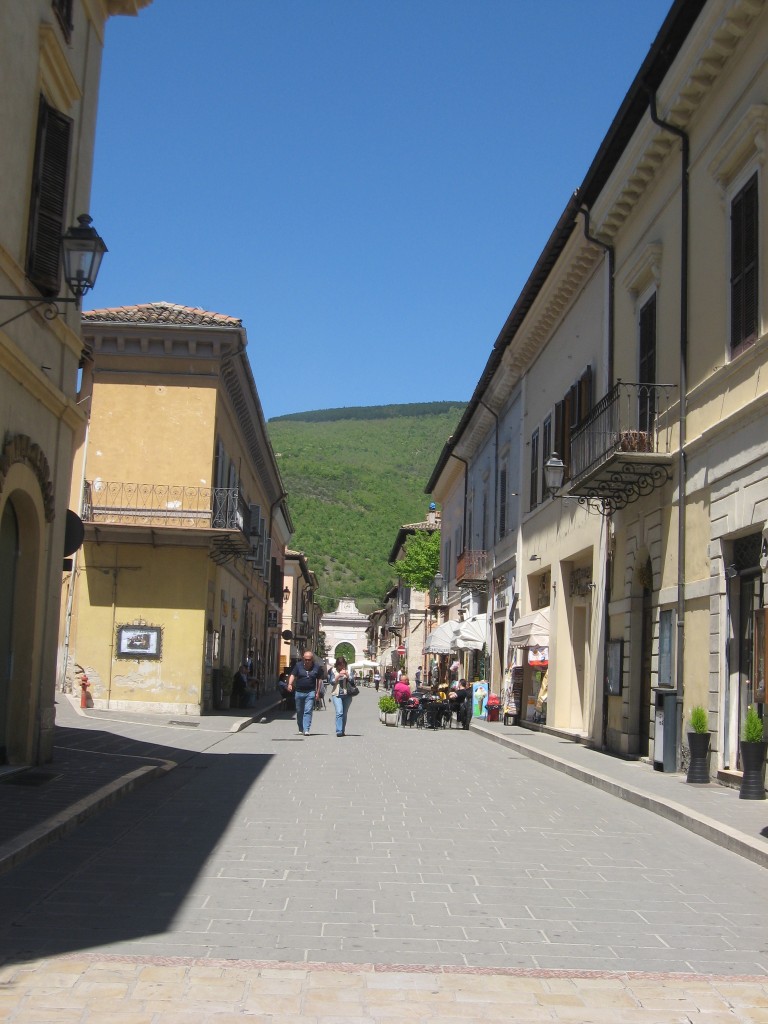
{"points": [[534, 484], [647, 367], [48, 203], [63, 11], [546, 439], [502, 503], [744, 267]]}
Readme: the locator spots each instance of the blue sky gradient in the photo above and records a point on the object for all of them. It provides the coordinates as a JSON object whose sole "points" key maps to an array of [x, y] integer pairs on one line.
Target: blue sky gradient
{"points": [[367, 185]]}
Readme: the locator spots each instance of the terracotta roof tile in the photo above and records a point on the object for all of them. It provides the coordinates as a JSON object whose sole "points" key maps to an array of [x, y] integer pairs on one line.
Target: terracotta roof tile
{"points": [[161, 313]]}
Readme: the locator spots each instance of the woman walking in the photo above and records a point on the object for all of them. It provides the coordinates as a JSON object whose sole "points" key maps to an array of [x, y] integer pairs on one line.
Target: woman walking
{"points": [[340, 696]]}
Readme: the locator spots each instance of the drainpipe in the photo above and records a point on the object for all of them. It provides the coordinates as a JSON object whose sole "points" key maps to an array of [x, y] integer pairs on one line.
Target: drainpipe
{"points": [[611, 291], [466, 485], [682, 469], [495, 471], [609, 249]]}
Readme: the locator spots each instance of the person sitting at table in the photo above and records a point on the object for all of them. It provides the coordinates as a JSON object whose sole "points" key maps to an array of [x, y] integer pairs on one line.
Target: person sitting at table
{"points": [[461, 702], [402, 690]]}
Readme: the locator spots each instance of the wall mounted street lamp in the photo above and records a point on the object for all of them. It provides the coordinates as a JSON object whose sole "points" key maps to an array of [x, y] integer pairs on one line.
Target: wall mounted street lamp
{"points": [[286, 595], [82, 249], [554, 471]]}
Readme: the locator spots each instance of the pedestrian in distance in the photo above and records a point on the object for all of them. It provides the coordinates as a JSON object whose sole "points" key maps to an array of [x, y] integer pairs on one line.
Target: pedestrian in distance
{"points": [[377, 680], [418, 676], [306, 682], [240, 686], [340, 695]]}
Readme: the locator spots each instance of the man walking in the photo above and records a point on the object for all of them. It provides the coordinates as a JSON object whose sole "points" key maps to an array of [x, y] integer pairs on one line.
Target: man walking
{"points": [[305, 683]]}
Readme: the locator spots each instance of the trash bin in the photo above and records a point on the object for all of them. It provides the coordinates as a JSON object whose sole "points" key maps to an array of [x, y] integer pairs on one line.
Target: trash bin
{"points": [[492, 708], [665, 732]]}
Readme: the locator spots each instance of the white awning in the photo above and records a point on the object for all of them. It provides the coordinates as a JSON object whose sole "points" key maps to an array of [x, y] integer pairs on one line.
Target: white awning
{"points": [[472, 633], [442, 640], [531, 630]]}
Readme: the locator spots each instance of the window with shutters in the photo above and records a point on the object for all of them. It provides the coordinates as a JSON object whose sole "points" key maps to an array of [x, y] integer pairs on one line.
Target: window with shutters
{"points": [[63, 11], [647, 366], [503, 503], [569, 414], [546, 442], [48, 204], [534, 478], [744, 267]]}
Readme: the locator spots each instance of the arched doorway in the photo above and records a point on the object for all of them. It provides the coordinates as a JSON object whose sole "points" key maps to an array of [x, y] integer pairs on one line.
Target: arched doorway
{"points": [[20, 543]]}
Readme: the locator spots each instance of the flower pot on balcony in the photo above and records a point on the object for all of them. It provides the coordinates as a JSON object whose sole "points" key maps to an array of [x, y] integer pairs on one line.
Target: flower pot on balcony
{"points": [[698, 769]]}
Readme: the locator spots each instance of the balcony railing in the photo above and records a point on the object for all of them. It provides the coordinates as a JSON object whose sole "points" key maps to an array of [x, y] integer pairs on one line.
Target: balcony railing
{"points": [[171, 505], [630, 419], [472, 568]]}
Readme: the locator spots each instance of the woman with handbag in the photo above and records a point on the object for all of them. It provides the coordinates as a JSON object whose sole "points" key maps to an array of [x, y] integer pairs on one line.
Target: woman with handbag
{"points": [[342, 693]]}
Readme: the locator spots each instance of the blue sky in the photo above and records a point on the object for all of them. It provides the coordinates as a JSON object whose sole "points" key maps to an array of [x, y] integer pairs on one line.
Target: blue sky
{"points": [[367, 184]]}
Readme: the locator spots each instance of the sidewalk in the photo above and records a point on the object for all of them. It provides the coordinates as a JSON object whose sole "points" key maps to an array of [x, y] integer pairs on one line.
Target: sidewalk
{"points": [[96, 763], [100, 756], [712, 811]]}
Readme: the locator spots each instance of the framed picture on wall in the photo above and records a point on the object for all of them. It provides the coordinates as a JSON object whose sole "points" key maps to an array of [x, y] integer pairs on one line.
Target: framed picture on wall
{"points": [[615, 659], [139, 641]]}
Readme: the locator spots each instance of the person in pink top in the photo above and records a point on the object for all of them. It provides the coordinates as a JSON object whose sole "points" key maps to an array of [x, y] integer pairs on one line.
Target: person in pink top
{"points": [[402, 690]]}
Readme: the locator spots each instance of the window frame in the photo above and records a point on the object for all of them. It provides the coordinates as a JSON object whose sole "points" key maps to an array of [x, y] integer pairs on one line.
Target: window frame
{"points": [[747, 183]]}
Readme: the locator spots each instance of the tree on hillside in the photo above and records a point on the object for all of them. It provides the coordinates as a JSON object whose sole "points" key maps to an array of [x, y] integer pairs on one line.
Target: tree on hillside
{"points": [[418, 566]]}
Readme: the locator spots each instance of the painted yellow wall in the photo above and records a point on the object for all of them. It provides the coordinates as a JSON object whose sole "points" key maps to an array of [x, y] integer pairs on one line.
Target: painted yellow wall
{"points": [[177, 449], [163, 587]]}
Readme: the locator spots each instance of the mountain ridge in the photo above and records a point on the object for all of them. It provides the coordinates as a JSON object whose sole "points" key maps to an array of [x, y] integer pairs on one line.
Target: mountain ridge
{"points": [[354, 476]]}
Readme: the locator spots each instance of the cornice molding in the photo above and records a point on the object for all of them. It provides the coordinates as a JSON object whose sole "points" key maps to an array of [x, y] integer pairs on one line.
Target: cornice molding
{"points": [[745, 142], [717, 50]]}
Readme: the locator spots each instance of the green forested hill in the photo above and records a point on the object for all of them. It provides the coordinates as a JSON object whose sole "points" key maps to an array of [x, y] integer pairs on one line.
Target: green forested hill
{"points": [[354, 477]]}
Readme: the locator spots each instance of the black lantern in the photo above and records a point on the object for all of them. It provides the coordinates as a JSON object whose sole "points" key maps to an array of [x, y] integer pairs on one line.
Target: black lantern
{"points": [[286, 595], [82, 252]]}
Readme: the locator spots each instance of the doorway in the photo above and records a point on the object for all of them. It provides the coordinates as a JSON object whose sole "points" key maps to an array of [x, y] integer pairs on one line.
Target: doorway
{"points": [[9, 556], [646, 668]]}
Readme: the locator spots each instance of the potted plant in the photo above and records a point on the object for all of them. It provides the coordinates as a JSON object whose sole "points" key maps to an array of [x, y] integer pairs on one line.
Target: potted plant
{"points": [[752, 757], [226, 680], [388, 709], [698, 744]]}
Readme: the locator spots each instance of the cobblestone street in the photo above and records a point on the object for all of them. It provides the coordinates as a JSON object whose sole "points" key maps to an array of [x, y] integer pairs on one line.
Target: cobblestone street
{"points": [[306, 879]]}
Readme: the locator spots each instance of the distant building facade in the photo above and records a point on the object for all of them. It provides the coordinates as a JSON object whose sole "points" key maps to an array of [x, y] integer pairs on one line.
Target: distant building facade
{"points": [[181, 572]]}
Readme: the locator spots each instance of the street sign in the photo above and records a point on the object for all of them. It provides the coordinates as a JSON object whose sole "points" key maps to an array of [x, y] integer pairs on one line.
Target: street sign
{"points": [[401, 650]]}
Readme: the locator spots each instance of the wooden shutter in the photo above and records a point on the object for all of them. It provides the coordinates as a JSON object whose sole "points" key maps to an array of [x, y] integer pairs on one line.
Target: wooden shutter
{"points": [[744, 265], [647, 366], [49, 198], [534, 495], [502, 503], [585, 394]]}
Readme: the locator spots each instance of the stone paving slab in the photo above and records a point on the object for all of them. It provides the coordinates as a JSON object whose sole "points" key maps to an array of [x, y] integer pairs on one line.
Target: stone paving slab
{"points": [[89, 988]]}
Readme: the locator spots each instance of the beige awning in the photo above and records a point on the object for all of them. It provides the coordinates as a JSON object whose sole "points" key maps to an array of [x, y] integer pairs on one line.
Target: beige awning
{"points": [[442, 640], [531, 630], [472, 633]]}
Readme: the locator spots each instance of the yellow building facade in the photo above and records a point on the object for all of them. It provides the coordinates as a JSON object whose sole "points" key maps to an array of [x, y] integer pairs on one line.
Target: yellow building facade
{"points": [[180, 577], [50, 62]]}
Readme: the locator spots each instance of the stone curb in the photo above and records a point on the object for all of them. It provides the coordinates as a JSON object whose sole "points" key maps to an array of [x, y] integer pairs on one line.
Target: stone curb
{"points": [[715, 831], [58, 825]]}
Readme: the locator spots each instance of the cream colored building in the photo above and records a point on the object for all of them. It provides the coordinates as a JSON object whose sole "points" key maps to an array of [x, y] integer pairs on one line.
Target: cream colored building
{"points": [[181, 572], [638, 353], [50, 58]]}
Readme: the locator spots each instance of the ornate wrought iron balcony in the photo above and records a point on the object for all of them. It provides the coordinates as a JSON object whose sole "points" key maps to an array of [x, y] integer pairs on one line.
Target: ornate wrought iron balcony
{"points": [[169, 505], [623, 450]]}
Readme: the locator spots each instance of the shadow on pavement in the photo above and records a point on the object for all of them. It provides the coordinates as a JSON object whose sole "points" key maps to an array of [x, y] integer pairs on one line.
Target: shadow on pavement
{"points": [[127, 872]]}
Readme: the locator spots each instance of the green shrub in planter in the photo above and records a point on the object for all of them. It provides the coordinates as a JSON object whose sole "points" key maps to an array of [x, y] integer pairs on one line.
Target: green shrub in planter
{"points": [[753, 726], [387, 705], [699, 722]]}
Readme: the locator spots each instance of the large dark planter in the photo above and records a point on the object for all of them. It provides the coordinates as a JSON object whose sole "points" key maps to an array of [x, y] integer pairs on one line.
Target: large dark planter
{"points": [[753, 769], [698, 769]]}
